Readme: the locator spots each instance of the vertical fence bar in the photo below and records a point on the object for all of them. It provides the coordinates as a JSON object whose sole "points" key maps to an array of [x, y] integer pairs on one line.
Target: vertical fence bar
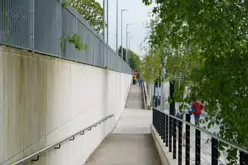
{"points": [[76, 31], [1, 21], [170, 134], [180, 146], [166, 130], [174, 139], [161, 124], [153, 117], [215, 154], [163, 128], [31, 24], [243, 158], [197, 147], [187, 153]]}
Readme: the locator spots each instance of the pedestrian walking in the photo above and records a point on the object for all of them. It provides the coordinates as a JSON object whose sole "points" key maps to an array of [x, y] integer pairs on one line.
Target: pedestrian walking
{"points": [[197, 108]]}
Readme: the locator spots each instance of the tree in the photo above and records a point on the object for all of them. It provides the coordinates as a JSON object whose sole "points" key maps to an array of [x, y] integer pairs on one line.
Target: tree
{"points": [[124, 52], [206, 43], [134, 62], [134, 59], [151, 67], [90, 10]]}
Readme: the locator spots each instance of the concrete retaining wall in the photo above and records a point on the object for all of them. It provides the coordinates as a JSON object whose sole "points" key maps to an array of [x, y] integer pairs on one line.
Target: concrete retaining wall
{"points": [[45, 99]]}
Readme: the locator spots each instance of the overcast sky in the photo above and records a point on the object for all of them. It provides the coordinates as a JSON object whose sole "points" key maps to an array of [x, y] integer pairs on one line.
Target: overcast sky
{"points": [[137, 15]]}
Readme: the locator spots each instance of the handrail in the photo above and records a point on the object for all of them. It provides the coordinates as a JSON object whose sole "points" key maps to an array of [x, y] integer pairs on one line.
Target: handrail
{"points": [[58, 144], [241, 148]]}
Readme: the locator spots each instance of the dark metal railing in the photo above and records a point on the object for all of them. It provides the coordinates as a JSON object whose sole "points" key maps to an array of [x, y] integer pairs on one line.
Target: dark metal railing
{"points": [[197, 150]]}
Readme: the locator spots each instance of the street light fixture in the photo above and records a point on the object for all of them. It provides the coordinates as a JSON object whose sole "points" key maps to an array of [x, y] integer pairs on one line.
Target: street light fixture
{"points": [[122, 32]]}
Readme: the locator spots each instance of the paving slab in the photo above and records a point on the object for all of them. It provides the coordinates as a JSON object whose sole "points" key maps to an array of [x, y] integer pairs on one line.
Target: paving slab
{"points": [[134, 122], [131, 141], [135, 99], [119, 149]]}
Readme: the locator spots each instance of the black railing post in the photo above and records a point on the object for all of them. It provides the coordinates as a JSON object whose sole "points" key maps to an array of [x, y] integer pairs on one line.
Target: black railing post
{"points": [[172, 113], [166, 130], [243, 158], [170, 134], [180, 146], [163, 126], [160, 124], [187, 153], [158, 121], [153, 117], [174, 139], [197, 147], [215, 153]]}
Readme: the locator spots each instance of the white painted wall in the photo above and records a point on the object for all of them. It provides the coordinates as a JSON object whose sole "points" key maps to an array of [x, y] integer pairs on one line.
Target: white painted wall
{"points": [[45, 99]]}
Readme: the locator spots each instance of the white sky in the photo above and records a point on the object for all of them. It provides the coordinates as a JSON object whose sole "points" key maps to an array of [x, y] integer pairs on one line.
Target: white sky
{"points": [[137, 15]]}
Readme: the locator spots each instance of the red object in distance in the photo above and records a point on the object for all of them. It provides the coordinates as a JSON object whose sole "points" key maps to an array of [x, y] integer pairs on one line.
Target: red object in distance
{"points": [[135, 73]]}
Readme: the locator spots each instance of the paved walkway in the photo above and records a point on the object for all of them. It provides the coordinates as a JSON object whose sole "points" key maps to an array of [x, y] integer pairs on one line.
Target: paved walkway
{"points": [[135, 98], [131, 142]]}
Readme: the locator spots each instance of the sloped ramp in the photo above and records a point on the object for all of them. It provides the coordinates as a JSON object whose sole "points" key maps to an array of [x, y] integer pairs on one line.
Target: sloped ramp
{"points": [[135, 98], [130, 143], [119, 149]]}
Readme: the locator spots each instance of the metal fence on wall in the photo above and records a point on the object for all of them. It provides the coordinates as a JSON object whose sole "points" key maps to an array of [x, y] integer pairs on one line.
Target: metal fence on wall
{"points": [[41, 25]]}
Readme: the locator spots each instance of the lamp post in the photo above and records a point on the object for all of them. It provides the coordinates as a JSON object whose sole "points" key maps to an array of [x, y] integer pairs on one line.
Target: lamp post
{"points": [[129, 43], [107, 21], [117, 8], [127, 38], [122, 32], [104, 20]]}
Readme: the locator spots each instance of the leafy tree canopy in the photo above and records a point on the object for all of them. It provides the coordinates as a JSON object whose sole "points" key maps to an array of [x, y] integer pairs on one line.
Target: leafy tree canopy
{"points": [[205, 45], [134, 59], [90, 10]]}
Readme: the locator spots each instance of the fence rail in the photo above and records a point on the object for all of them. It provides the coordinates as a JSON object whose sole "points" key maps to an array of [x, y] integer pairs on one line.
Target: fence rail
{"points": [[194, 145], [41, 25]]}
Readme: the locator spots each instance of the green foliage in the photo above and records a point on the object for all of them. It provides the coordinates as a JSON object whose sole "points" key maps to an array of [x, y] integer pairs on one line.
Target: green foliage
{"points": [[134, 59], [90, 10], [150, 68], [62, 44], [206, 49], [75, 40], [66, 3]]}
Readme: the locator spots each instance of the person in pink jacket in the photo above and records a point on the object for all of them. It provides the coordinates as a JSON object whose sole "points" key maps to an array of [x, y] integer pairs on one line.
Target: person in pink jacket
{"points": [[197, 108]]}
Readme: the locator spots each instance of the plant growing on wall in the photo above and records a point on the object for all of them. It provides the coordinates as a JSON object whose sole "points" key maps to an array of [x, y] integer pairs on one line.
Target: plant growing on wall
{"points": [[75, 40]]}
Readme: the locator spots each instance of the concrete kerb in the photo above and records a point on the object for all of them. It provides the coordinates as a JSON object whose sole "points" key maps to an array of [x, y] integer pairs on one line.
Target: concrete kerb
{"points": [[163, 153]]}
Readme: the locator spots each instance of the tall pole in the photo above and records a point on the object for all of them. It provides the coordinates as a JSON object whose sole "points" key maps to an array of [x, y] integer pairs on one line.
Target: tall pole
{"points": [[104, 20], [117, 8], [107, 21], [129, 49], [122, 32], [127, 40]]}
